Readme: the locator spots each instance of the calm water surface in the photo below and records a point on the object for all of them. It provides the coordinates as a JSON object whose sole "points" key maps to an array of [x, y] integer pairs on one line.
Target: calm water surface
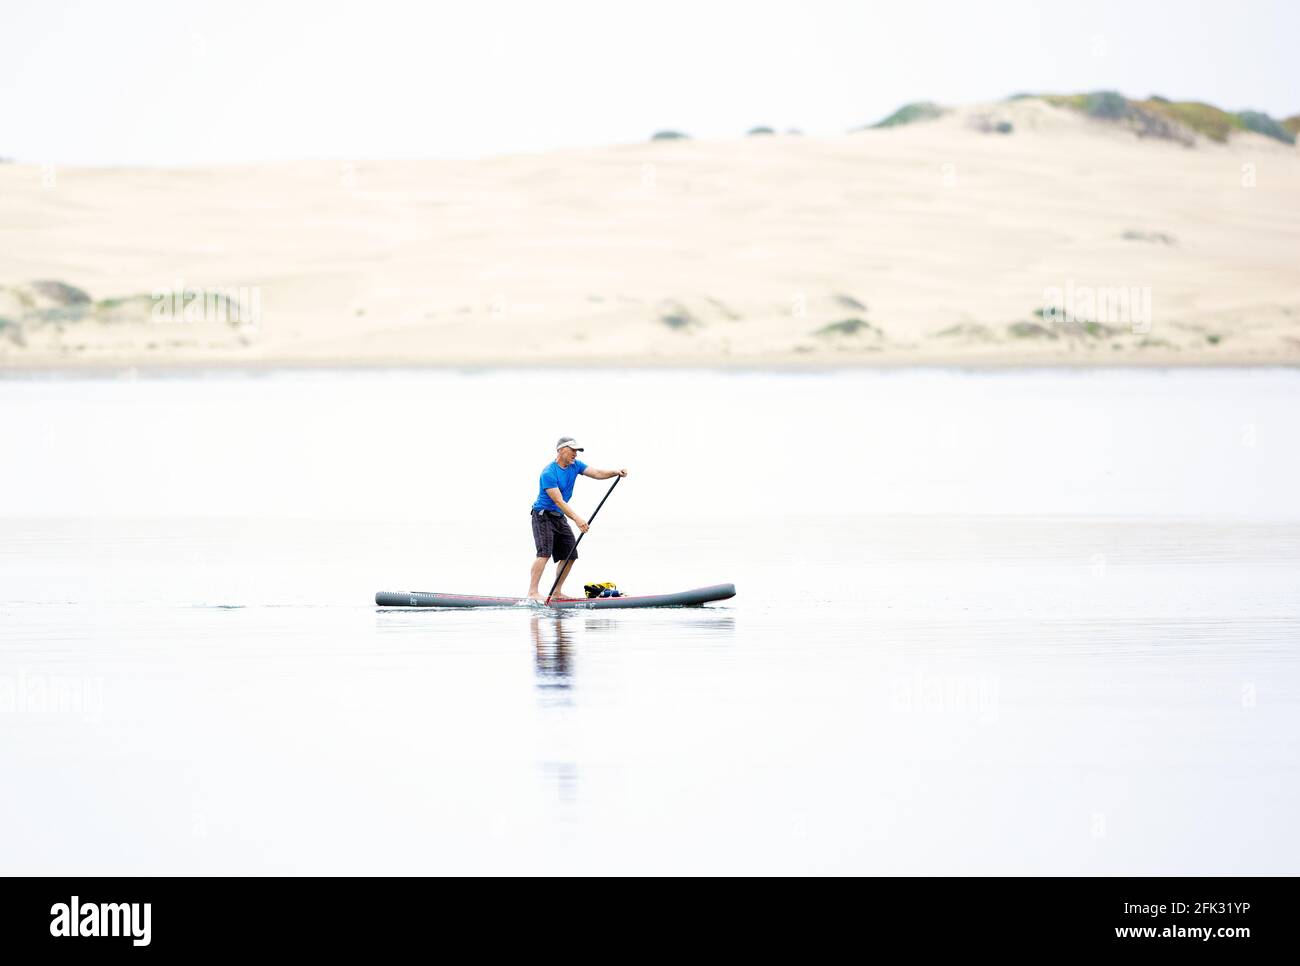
{"points": [[986, 623]]}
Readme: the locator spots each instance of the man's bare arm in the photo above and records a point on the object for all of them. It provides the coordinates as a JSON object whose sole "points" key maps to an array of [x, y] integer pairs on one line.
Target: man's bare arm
{"points": [[558, 499], [602, 474]]}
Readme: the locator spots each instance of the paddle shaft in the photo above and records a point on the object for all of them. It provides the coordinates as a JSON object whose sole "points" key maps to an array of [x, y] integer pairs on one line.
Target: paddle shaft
{"points": [[574, 549]]}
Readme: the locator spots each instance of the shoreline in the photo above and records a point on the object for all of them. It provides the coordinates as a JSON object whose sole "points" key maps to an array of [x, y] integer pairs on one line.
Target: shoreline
{"points": [[11, 372]]}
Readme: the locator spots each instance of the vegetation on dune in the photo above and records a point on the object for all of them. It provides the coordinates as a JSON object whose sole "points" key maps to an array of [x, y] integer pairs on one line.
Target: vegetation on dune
{"points": [[1030, 330], [677, 316], [1106, 105], [1098, 330], [1061, 326], [145, 302], [1261, 123], [726, 311], [1151, 121], [50, 314], [688, 313], [63, 313], [987, 124], [1159, 237], [853, 326], [1205, 119], [1160, 117], [1146, 119], [911, 113], [1154, 117], [60, 293], [968, 331]]}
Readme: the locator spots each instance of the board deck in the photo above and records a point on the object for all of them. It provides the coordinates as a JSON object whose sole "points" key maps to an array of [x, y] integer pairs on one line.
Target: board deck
{"points": [[683, 598]]}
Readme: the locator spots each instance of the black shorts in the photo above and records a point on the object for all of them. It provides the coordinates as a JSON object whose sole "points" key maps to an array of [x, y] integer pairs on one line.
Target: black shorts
{"points": [[552, 536]]}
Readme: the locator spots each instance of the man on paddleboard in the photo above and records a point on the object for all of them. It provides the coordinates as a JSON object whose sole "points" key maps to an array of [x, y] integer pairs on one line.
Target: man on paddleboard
{"points": [[551, 534]]}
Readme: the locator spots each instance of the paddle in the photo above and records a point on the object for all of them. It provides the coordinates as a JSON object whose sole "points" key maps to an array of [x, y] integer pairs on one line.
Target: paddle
{"points": [[574, 548]]}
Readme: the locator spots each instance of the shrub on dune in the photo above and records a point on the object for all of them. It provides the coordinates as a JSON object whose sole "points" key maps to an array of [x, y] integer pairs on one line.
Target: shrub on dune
{"points": [[1164, 238], [1106, 105], [1261, 123], [848, 327], [986, 124], [910, 114], [1205, 119], [1103, 105], [677, 316], [60, 293]]}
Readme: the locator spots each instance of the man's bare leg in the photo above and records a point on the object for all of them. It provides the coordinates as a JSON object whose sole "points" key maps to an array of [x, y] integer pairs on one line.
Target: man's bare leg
{"points": [[564, 573], [539, 564]]}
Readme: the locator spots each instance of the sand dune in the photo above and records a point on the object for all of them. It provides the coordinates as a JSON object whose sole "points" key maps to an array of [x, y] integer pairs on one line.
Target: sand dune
{"points": [[932, 243]]}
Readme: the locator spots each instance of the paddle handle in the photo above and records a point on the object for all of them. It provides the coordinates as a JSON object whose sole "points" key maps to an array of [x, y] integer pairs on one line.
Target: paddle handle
{"points": [[574, 548]]}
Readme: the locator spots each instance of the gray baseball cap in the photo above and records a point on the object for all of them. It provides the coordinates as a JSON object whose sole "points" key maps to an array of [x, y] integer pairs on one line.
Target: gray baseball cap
{"points": [[568, 441]]}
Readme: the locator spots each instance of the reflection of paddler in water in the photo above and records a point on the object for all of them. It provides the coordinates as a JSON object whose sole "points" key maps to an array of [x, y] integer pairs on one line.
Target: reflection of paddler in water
{"points": [[554, 658]]}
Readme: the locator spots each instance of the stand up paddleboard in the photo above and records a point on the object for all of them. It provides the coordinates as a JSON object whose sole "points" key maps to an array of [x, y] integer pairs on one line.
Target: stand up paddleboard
{"points": [[684, 598]]}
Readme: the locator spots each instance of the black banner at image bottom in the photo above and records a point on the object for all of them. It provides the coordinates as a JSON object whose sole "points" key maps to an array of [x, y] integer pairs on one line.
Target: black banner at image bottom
{"points": [[146, 917]]}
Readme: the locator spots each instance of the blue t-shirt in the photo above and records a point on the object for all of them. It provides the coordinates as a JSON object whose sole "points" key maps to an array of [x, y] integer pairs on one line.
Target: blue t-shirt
{"points": [[562, 479]]}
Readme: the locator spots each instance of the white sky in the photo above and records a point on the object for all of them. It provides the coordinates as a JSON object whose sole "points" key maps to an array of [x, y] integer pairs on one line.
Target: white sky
{"points": [[135, 81]]}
